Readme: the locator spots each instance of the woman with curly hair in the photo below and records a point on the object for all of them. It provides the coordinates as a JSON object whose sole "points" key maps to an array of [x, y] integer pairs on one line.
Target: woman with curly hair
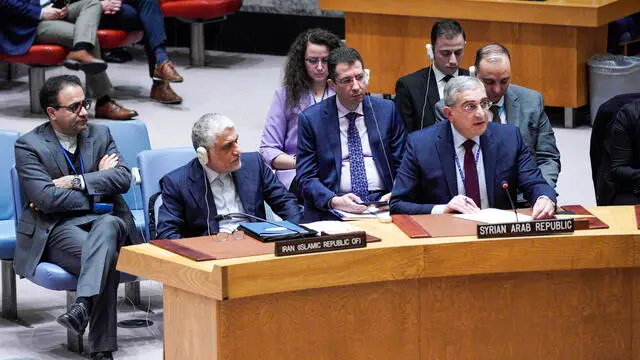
{"points": [[305, 84]]}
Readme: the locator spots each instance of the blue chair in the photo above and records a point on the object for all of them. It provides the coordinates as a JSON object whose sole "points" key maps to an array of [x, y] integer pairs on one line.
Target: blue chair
{"points": [[7, 225], [51, 276], [154, 164], [131, 137]]}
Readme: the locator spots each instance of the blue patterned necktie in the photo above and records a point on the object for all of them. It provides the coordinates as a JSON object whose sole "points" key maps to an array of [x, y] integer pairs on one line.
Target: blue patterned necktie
{"points": [[359, 185]]}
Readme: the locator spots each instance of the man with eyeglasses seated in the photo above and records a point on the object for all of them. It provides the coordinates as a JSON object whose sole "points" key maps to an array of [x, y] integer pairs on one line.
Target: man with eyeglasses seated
{"points": [[72, 176], [220, 181], [349, 146], [461, 165]]}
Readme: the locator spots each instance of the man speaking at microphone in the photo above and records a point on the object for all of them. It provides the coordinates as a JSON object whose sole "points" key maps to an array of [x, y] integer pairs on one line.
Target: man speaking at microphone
{"points": [[219, 181], [466, 164], [349, 146]]}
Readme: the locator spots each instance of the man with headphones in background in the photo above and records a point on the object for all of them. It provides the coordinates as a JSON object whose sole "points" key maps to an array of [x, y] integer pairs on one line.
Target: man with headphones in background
{"points": [[220, 181], [418, 92], [349, 146]]}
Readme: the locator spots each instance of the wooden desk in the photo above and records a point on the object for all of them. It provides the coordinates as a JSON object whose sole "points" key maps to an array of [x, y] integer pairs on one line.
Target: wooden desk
{"points": [[550, 41], [562, 297]]}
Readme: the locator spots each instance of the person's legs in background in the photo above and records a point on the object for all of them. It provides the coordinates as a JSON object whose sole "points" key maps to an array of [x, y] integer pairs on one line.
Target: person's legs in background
{"points": [[147, 15]]}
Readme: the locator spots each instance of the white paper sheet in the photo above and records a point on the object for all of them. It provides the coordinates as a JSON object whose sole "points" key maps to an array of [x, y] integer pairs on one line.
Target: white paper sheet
{"points": [[495, 216]]}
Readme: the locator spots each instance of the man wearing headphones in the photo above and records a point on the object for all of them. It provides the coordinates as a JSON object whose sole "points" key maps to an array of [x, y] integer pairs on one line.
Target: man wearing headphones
{"points": [[220, 181], [418, 92], [349, 146]]}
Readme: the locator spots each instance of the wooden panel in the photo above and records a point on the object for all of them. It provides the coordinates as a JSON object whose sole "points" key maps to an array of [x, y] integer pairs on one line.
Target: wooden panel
{"points": [[370, 321], [190, 325], [548, 315], [583, 13], [549, 59], [323, 270], [154, 263], [533, 254]]}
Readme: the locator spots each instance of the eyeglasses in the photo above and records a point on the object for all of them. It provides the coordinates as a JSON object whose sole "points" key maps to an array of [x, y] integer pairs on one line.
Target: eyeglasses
{"points": [[473, 107], [349, 80], [314, 61], [235, 235], [76, 106]]}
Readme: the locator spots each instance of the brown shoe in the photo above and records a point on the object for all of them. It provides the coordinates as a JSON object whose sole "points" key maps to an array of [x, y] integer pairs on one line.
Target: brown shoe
{"points": [[83, 60], [162, 92], [114, 111], [167, 71]]}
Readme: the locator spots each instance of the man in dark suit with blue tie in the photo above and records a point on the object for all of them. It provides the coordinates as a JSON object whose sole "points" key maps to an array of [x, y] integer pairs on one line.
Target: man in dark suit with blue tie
{"points": [[350, 145], [219, 181], [462, 165]]}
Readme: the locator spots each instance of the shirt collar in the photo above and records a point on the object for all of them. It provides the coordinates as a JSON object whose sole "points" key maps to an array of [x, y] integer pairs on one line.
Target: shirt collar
{"points": [[458, 139], [212, 175], [500, 102], [342, 111], [68, 142], [440, 75]]}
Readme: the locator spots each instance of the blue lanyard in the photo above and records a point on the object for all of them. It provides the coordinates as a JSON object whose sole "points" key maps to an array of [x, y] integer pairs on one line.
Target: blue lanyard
{"points": [[64, 152], [476, 157], [326, 91]]}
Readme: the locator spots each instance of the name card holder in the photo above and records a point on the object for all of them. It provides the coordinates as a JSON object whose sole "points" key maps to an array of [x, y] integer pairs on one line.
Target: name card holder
{"points": [[528, 228], [316, 244]]}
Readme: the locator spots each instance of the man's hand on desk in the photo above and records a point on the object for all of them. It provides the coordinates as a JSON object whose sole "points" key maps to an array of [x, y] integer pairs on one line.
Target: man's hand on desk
{"points": [[461, 204], [544, 208], [347, 202]]}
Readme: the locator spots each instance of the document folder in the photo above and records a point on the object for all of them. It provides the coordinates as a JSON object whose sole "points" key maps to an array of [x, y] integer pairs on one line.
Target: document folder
{"points": [[284, 230]]}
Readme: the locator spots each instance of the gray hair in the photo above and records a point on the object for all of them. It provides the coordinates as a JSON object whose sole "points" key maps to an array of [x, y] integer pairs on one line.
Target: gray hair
{"points": [[457, 85], [207, 128]]}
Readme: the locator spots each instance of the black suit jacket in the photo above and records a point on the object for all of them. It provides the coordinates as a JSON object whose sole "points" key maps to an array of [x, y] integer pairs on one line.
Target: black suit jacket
{"points": [[625, 155], [410, 94], [600, 148]]}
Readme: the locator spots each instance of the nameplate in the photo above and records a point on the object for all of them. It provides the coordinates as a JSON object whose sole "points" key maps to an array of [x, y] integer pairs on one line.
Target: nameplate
{"points": [[529, 228], [316, 244]]}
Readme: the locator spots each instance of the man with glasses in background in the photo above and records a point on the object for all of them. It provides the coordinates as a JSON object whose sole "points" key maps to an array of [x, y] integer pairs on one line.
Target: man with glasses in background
{"points": [[349, 146], [465, 164], [73, 215]]}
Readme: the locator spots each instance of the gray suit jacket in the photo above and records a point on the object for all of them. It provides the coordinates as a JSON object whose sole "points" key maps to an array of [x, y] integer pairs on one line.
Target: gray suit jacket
{"points": [[39, 160], [525, 109]]}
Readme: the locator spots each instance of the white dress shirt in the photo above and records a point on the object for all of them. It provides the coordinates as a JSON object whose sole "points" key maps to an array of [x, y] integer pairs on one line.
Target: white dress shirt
{"points": [[440, 79], [226, 198], [458, 144], [501, 111], [373, 177]]}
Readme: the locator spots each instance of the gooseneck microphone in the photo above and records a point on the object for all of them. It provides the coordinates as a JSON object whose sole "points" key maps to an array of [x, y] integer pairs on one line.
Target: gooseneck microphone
{"points": [[236, 215], [505, 186]]}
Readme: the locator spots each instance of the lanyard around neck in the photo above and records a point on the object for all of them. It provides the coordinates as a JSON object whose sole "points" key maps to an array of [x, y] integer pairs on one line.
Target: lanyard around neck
{"points": [[64, 152], [476, 157], [324, 93]]}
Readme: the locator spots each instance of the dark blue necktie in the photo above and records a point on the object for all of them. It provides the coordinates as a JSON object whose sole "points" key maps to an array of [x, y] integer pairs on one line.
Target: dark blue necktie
{"points": [[359, 185]]}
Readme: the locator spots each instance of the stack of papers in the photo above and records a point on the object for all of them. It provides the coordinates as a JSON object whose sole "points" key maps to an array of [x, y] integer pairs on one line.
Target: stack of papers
{"points": [[333, 227], [371, 213], [495, 216]]}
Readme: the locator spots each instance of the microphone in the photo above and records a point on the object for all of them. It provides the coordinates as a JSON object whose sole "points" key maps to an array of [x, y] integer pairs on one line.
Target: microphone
{"points": [[230, 216], [505, 186]]}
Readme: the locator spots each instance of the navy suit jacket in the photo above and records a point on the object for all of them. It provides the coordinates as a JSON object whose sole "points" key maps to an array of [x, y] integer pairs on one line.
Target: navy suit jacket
{"points": [[18, 22], [319, 154], [183, 212], [428, 176]]}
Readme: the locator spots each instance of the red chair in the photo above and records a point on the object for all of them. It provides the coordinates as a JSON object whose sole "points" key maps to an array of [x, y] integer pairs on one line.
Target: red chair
{"points": [[39, 57], [197, 13]]}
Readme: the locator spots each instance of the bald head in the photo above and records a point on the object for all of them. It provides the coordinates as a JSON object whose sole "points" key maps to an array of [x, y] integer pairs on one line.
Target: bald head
{"points": [[493, 64]]}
